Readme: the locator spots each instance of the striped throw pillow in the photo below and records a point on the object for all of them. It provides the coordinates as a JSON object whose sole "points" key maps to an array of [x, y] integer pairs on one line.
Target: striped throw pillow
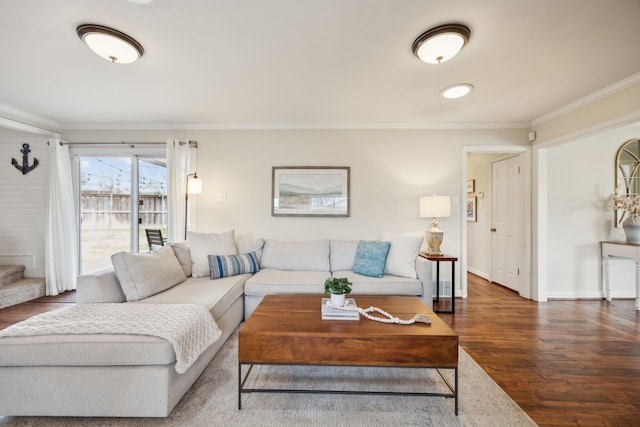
{"points": [[232, 265]]}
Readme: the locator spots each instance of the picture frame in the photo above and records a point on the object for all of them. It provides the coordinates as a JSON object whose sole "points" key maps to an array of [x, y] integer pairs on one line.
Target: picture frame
{"points": [[471, 186], [472, 209], [310, 191]]}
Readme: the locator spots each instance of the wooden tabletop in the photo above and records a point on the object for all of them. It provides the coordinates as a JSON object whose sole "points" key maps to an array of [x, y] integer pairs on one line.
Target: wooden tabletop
{"points": [[289, 329], [443, 257]]}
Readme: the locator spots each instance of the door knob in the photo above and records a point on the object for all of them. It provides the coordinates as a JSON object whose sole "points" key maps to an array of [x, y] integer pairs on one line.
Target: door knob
{"points": [[493, 230]]}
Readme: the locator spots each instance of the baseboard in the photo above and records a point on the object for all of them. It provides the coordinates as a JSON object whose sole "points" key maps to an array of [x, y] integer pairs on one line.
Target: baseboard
{"points": [[479, 273]]}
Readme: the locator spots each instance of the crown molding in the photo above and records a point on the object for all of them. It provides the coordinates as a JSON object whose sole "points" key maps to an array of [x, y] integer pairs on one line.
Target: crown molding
{"points": [[589, 99], [13, 118], [299, 126]]}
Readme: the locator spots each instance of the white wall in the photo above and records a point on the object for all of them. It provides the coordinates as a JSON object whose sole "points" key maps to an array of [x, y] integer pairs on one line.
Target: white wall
{"points": [[390, 170], [581, 178], [23, 201]]}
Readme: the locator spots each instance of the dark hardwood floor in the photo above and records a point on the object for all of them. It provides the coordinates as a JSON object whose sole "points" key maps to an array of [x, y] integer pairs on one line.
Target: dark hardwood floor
{"points": [[564, 362]]}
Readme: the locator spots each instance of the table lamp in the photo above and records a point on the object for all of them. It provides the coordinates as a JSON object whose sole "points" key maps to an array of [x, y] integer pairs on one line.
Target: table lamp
{"points": [[434, 207]]}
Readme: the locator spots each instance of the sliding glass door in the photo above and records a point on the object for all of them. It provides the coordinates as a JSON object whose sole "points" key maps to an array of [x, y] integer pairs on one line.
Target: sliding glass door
{"points": [[120, 196]]}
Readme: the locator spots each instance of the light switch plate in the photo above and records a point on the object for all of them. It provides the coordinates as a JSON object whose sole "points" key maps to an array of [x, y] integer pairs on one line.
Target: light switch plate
{"points": [[222, 197]]}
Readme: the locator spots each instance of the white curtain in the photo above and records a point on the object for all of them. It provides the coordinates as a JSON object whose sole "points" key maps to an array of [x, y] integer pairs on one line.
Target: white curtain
{"points": [[180, 161], [61, 253]]}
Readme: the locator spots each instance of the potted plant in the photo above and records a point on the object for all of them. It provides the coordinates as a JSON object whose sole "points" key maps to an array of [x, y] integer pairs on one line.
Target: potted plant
{"points": [[338, 287]]}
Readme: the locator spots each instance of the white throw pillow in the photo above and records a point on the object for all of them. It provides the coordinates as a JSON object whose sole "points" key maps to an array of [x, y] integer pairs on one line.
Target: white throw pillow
{"points": [[248, 246], [146, 274], [202, 245], [401, 260]]}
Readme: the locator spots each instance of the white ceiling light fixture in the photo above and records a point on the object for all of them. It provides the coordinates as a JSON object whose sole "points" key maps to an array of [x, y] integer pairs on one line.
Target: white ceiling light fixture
{"points": [[441, 43], [110, 44], [456, 91]]}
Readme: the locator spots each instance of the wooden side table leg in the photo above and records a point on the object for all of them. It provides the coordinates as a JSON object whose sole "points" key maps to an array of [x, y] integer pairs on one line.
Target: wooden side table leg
{"points": [[606, 286]]}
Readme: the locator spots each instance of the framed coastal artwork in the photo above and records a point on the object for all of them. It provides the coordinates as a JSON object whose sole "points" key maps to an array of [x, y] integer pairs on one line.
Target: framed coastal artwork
{"points": [[310, 191]]}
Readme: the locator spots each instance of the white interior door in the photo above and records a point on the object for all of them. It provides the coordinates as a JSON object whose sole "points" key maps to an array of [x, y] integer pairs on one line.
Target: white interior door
{"points": [[507, 222]]}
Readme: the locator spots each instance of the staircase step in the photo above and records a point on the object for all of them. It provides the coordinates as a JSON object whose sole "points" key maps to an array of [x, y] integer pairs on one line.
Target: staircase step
{"points": [[10, 273], [22, 290]]}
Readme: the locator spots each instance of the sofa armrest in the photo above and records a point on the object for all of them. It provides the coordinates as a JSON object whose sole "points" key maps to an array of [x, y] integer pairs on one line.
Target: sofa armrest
{"points": [[425, 275], [99, 287]]}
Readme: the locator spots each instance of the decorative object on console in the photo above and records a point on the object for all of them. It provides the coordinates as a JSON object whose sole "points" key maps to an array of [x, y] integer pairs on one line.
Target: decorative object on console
{"points": [[25, 168], [310, 191], [435, 207], [630, 204], [110, 44], [191, 186], [338, 287]]}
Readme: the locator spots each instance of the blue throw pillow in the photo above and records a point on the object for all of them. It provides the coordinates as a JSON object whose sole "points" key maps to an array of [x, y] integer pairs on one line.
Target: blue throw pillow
{"points": [[370, 258], [232, 265]]}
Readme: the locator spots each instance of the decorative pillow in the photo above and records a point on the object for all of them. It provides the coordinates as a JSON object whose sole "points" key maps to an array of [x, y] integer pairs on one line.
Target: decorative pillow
{"points": [[401, 260], [370, 258], [203, 244], [246, 246], [145, 274], [232, 265], [182, 252]]}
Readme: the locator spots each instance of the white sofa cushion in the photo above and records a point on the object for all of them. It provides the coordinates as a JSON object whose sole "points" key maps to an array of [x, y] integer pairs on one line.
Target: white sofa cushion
{"points": [[270, 282], [146, 274], [202, 245], [309, 255], [401, 259], [385, 285], [343, 254]]}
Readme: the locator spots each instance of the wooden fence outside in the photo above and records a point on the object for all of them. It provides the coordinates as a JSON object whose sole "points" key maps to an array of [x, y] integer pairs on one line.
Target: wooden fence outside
{"points": [[114, 210]]}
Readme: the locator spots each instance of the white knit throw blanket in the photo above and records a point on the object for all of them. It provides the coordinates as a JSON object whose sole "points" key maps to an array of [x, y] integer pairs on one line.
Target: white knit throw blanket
{"points": [[188, 327]]}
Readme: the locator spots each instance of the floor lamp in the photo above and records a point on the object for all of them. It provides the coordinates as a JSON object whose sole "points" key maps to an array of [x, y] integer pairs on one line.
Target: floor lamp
{"points": [[191, 186]]}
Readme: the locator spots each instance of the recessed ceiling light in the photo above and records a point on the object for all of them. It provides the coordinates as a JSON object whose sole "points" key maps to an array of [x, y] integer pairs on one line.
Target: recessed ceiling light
{"points": [[110, 44], [441, 43], [456, 91]]}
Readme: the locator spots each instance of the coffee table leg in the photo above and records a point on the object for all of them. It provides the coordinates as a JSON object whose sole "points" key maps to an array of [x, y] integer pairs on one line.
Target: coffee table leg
{"points": [[239, 386], [456, 392]]}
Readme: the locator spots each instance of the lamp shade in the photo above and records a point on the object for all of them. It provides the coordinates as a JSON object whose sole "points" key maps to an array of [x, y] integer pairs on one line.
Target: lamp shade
{"points": [[435, 207], [194, 185]]}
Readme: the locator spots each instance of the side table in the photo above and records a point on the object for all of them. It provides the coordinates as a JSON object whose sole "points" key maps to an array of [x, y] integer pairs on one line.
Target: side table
{"points": [[443, 258], [622, 250]]}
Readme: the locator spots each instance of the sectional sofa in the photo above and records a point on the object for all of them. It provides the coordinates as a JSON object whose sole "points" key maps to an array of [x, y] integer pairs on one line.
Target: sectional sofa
{"points": [[134, 375]]}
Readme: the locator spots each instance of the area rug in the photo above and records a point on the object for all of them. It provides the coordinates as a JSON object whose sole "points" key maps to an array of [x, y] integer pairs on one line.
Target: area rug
{"points": [[213, 399]]}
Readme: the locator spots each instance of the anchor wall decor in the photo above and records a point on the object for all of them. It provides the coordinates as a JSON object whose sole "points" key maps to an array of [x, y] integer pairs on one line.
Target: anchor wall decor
{"points": [[25, 168]]}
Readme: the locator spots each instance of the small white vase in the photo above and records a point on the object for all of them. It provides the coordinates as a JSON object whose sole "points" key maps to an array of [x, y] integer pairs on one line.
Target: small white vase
{"points": [[338, 300], [632, 230]]}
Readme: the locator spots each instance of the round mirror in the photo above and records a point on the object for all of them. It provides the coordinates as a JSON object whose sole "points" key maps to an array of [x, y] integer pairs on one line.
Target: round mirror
{"points": [[627, 173]]}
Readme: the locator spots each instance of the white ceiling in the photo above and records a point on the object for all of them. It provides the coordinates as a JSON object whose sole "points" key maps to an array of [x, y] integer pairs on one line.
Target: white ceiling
{"points": [[301, 63]]}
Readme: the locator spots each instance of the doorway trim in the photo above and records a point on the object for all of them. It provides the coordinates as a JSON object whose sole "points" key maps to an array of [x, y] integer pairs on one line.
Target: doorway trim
{"points": [[525, 152]]}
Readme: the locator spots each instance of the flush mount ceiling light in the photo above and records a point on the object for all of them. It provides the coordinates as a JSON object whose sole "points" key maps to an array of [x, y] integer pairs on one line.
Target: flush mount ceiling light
{"points": [[110, 44], [456, 91], [441, 43]]}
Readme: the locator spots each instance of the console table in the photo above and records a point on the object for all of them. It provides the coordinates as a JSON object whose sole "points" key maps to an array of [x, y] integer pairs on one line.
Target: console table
{"points": [[437, 259], [622, 250]]}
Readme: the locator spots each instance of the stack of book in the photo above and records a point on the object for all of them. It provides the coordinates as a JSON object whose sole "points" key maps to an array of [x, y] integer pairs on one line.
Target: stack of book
{"points": [[331, 313]]}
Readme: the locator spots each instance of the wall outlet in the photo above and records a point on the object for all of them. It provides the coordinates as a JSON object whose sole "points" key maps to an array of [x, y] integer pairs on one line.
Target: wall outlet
{"points": [[222, 198]]}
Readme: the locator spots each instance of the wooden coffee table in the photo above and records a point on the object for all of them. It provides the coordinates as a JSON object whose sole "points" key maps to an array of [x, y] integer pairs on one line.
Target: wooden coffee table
{"points": [[289, 330]]}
